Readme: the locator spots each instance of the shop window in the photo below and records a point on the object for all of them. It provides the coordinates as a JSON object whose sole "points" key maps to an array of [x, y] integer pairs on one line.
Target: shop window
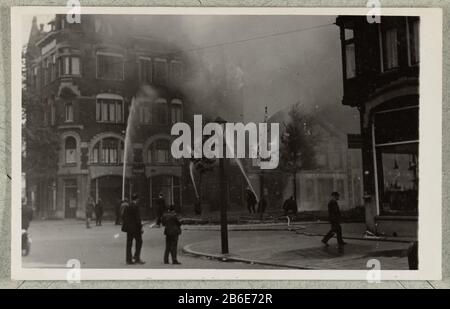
{"points": [[397, 125], [70, 146], [398, 179], [110, 66], [396, 150]]}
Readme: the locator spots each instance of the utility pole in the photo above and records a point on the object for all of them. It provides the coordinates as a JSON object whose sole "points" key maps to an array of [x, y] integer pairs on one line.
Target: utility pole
{"points": [[223, 197]]}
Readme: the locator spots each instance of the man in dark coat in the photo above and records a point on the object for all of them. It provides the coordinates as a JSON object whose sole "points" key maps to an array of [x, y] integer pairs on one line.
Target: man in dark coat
{"points": [[334, 216], [251, 201], [98, 212], [90, 206], [160, 209], [132, 225], [172, 231], [290, 206]]}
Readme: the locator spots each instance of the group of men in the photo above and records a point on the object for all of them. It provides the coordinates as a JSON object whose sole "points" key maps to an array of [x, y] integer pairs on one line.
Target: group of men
{"points": [[132, 225]]}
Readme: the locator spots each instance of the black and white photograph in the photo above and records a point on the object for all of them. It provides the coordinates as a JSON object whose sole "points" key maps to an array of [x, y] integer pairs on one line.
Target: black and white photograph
{"points": [[220, 144]]}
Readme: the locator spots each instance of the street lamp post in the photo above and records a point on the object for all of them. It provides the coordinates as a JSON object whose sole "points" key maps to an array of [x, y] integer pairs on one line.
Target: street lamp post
{"points": [[223, 197]]}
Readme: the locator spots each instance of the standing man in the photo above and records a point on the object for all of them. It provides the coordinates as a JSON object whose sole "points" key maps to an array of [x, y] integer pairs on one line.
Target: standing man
{"points": [[251, 201], [98, 212], [132, 225], [90, 206], [172, 231], [160, 209], [334, 216]]}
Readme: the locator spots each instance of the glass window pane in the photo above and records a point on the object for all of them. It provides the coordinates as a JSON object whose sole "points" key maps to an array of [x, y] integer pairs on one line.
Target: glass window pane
{"points": [[75, 65], [350, 60], [398, 179]]}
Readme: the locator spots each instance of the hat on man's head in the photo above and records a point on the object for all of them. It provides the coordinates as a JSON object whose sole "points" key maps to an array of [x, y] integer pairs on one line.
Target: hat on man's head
{"points": [[334, 193]]}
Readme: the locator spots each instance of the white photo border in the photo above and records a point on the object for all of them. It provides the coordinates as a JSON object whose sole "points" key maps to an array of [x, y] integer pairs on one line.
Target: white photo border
{"points": [[430, 149]]}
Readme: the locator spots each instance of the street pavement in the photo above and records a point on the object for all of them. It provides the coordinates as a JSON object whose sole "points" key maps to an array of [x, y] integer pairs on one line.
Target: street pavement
{"points": [[56, 242], [256, 246]]}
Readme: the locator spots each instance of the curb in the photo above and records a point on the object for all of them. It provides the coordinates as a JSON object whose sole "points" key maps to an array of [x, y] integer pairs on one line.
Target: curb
{"points": [[358, 238], [229, 258]]}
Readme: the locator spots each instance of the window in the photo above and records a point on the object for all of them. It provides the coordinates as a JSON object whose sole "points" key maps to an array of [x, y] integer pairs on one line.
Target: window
{"points": [[47, 70], [146, 114], [158, 152], [414, 49], [70, 146], [69, 112], [53, 67], [69, 65], [160, 77], [176, 111], [390, 49], [109, 108], [34, 77], [176, 73], [52, 113], [108, 151], [160, 113], [350, 65], [396, 149], [145, 70], [349, 53], [110, 66]]}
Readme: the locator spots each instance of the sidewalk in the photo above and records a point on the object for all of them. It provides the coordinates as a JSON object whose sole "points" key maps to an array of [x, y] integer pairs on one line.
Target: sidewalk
{"points": [[300, 247]]}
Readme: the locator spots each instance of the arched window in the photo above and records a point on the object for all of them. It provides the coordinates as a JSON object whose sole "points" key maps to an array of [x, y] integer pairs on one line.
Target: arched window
{"points": [[158, 152], [70, 146], [108, 151]]}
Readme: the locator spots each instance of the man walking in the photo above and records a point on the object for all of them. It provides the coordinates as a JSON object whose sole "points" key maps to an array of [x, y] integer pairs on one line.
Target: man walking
{"points": [[98, 212], [160, 209], [132, 225], [90, 206], [334, 216], [172, 231]]}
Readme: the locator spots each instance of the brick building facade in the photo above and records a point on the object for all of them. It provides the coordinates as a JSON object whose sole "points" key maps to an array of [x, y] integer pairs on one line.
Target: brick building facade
{"points": [[85, 76]]}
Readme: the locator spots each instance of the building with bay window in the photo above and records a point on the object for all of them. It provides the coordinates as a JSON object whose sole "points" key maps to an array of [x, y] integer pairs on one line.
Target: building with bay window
{"points": [[381, 79], [84, 76]]}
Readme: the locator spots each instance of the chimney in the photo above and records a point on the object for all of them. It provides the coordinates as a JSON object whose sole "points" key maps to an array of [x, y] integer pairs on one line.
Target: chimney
{"points": [[41, 27]]}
